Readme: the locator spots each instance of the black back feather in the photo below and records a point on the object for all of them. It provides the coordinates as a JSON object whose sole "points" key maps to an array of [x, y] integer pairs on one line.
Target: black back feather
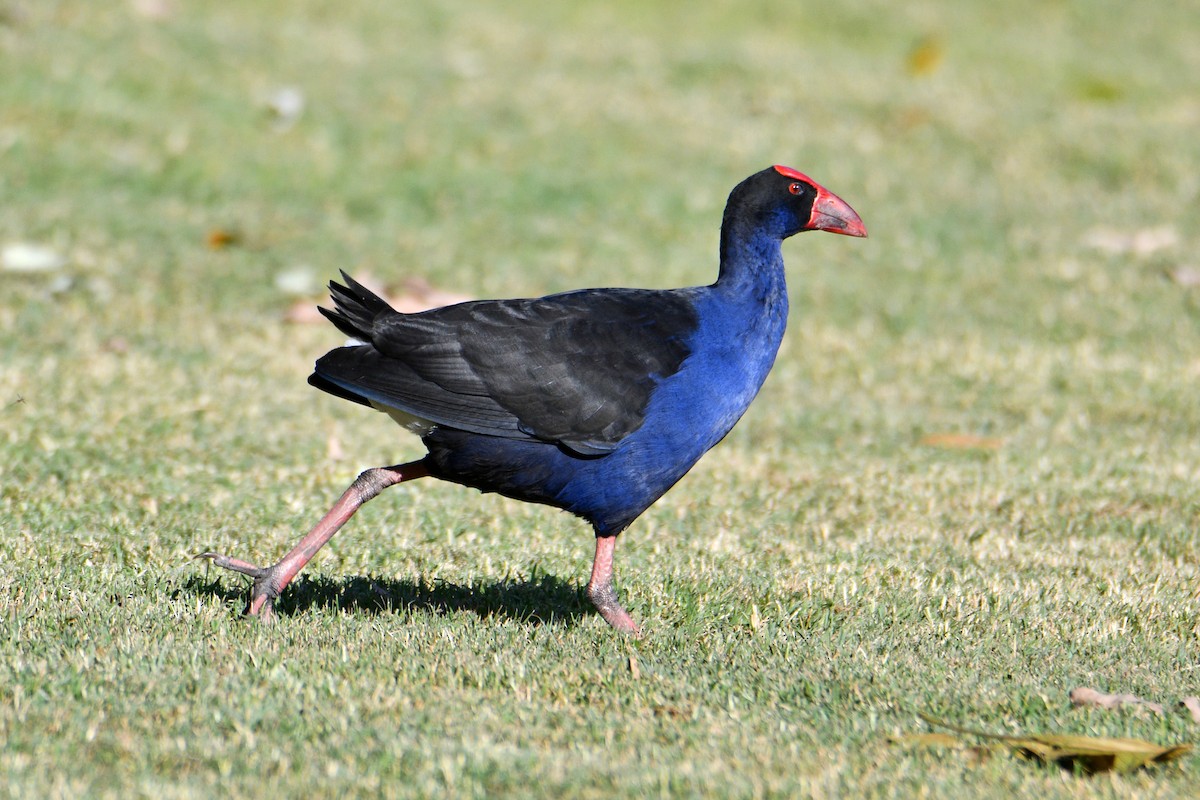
{"points": [[576, 369]]}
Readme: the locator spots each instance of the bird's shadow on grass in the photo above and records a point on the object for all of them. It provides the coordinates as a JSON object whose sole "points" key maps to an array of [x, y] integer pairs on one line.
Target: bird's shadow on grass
{"points": [[541, 599]]}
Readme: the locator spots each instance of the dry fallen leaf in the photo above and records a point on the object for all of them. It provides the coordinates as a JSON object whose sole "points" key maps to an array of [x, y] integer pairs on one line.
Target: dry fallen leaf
{"points": [[286, 104], [417, 294], [1085, 696], [333, 448], [303, 312], [12, 15], [27, 257], [1188, 276], [925, 57], [960, 441], [300, 280], [635, 671], [153, 9], [1192, 704], [220, 238], [1089, 754], [1145, 242], [909, 117], [1096, 753]]}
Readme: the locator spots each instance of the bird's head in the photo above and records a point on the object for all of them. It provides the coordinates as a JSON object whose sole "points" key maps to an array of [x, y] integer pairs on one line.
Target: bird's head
{"points": [[782, 202]]}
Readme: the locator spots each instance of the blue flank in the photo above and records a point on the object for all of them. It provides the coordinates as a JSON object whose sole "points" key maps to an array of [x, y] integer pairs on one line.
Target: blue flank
{"points": [[742, 320], [741, 326]]}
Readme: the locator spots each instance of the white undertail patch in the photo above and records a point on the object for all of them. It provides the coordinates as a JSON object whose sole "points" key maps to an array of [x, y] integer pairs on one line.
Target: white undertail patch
{"points": [[410, 423]]}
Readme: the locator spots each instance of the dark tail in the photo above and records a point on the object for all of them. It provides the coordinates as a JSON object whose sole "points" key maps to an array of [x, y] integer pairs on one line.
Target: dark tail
{"points": [[357, 308]]}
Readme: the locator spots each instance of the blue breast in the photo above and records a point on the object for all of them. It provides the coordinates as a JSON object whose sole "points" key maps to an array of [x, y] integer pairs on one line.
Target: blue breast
{"points": [[740, 324], [732, 350]]}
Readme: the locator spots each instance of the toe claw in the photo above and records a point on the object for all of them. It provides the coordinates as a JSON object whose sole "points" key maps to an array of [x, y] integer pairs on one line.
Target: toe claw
{"points": [[604, 598]]}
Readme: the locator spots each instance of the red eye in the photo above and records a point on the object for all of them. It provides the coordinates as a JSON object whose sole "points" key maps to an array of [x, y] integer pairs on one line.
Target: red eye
{"points": [[796, 188]]}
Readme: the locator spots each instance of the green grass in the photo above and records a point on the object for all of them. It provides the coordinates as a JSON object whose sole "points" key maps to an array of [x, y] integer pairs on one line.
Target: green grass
{"points": [[818, 580]]}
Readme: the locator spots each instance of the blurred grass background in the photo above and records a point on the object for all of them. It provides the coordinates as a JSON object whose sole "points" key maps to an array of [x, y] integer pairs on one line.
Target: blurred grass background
{"points": [[970, 484]]}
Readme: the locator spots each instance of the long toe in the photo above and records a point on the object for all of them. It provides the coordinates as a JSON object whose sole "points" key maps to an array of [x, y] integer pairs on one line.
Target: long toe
{"points": [[235, 564], [619, 618], [263, 592]]}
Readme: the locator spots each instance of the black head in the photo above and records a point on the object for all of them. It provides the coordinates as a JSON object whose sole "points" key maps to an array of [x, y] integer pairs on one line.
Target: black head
{"points": [[781, 202]]}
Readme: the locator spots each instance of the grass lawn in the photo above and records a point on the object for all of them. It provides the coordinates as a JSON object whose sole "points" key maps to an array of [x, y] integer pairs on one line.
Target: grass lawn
{"points": [[971, 484]]}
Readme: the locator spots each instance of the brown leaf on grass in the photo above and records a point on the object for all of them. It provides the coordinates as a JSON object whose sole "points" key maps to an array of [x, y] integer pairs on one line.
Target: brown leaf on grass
{"points": [[1192, 704], [12, 15], [925, 57], [333, 448], [153, 9], [220, 238], [1188, 277], [635, 671], [1089, 754], [1096, 753], [911, 117], [960, 441], [1086, 696], [303, 312], [417, 294], [1145, 242]]}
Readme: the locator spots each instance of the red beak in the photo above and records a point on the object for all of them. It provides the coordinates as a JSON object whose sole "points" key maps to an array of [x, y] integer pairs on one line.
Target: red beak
{"points": [[832, 213]]}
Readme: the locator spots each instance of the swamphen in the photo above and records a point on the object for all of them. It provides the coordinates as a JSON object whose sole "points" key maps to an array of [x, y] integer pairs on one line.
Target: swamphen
{"points": [[594, 401]]}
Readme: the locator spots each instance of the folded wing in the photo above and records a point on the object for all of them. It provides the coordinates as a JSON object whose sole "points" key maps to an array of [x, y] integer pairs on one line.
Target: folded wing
{"points": [[577, 369]]}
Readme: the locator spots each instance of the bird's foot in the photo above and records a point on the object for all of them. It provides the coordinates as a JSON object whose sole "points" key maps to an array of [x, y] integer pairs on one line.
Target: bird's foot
{"points": [[263, 591], [604, 598]]}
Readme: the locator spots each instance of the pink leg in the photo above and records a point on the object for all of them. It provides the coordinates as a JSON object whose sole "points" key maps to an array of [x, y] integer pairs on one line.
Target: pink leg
{"points": [[601, 592], [270, 581]]}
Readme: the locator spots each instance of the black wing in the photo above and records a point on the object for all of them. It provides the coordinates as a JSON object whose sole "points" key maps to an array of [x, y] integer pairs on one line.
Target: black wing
{"points": [[576, 368]]}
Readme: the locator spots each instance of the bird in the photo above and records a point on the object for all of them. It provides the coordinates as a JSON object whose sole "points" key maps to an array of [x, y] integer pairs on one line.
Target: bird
{"points": [[593, 401]]}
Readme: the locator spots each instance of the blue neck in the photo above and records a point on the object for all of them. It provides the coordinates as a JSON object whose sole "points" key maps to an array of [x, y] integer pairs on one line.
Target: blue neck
{"points": [[752, 271]]}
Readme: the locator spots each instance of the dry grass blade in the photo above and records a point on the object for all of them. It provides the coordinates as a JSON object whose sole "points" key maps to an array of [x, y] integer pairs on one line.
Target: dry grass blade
{"points": [[960, 441]]}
